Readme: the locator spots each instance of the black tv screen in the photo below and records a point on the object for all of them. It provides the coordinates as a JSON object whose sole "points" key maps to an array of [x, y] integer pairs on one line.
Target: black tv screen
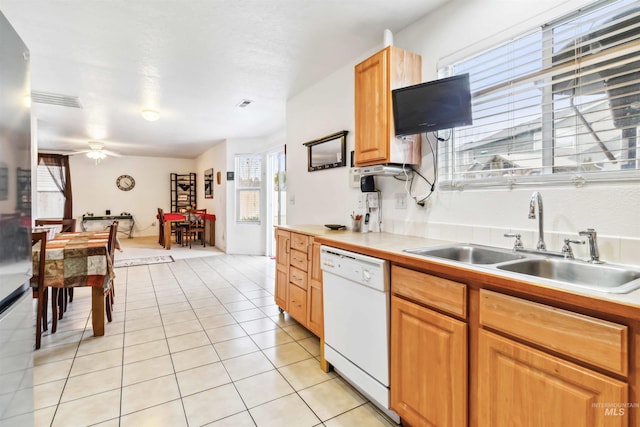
{"points": [[431, 106]]}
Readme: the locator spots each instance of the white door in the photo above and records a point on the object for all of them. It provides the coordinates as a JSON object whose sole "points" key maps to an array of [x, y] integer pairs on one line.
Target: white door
{"points": [[276, 196]]}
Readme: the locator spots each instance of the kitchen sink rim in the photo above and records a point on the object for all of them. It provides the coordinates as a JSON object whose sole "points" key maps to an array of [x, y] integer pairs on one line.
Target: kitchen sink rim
{"points": [[528, 257]]}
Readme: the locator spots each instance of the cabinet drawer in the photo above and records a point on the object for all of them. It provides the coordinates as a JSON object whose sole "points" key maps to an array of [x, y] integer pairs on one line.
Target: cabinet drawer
{"points": [[594, 341], [299, 260], [298, 277], [298, 304], [432, 291], [299, 242]]}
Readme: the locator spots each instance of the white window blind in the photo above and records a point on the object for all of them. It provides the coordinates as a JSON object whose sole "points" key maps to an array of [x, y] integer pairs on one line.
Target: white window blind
{"points": [[248, 188], [561, 103], [50, 199]]}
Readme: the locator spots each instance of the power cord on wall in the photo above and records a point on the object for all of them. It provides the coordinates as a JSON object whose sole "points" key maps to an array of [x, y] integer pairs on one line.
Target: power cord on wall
{"points": [[379, 210], [410, 178]]}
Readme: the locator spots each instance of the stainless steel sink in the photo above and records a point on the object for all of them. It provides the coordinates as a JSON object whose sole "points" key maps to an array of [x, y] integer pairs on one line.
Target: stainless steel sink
{"points": [[602, 277], [469, 253]]}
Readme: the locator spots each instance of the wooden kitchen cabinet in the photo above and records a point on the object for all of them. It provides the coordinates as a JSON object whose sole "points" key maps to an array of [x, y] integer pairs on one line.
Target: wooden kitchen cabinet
{"points": [[519, 385], [315, 310], [428, 350], [283, 248], [547, 385], [428, 366], [375, 78], [298, 288]]}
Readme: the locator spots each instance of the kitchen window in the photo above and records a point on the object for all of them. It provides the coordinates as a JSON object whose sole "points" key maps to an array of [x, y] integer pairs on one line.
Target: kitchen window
{"points": [[248, 188], [559, 104]]}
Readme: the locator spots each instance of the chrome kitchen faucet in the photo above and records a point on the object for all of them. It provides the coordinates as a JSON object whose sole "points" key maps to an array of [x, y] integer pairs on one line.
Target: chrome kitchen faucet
{"points": [[592, 237], [537, 198]]}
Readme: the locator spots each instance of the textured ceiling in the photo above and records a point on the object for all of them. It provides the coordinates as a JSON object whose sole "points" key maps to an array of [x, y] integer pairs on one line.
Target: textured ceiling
{"points": [[193, 61]]}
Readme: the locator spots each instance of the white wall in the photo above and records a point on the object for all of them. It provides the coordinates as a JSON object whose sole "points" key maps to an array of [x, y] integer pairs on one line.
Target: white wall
{"points": [[94, 187], [458, 28], [216, 158], [320, 197]]}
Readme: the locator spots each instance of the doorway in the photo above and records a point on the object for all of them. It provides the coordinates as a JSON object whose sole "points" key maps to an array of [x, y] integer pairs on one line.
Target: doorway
{"points": [[276, 185]]}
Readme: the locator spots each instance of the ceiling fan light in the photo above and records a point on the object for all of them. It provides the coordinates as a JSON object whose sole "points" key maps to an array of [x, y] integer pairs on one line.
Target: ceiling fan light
{"points": [[96, 155], [150, 115]]}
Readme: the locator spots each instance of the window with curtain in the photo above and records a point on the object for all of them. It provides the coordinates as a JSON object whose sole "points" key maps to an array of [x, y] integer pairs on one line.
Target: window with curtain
{"points": [[559, 104], [54, 186], [248, 178], [50, 199]]}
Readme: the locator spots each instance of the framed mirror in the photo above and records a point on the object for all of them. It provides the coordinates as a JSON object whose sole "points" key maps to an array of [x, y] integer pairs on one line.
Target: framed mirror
{"points": [[327, 152], [208, 184]]}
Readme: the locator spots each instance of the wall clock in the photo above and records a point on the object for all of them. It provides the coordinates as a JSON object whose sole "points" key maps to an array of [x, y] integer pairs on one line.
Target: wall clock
{"points": [[125, 182]]}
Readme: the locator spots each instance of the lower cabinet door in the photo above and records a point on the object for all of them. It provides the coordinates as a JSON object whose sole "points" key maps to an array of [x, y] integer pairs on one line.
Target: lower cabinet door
{"points": [[298, 304], [428, 366], [315, 321], [521, 386]]}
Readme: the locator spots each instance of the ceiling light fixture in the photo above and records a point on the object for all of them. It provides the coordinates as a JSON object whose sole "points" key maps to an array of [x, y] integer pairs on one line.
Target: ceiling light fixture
{"points": [[96, 155], [150, 115]]}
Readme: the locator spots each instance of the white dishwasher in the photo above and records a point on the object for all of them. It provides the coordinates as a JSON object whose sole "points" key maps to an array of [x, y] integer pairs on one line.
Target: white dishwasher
{"points": [[356, 321]]}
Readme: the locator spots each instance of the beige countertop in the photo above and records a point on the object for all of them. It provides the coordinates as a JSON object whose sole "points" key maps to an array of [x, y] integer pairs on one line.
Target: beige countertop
{"points": [[391, 247]]}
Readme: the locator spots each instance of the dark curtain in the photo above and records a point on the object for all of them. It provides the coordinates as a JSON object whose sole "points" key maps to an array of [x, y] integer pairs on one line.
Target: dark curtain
{"points": [[58, 167]]}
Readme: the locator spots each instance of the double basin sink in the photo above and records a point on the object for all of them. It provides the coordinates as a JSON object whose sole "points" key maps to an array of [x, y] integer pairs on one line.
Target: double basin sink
{"points": [[549, 268]]}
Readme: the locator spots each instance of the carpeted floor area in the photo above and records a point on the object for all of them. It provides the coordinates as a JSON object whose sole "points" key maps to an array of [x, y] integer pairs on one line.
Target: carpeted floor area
{"points": [[147, 247]]}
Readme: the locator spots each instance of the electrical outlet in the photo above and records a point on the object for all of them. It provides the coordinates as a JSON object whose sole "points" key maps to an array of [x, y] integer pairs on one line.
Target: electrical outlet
{"points": [[361, 198], [401, 200]]}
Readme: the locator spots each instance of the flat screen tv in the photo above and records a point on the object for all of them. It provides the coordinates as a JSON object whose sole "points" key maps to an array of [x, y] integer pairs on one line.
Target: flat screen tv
{"points": [[431, 106]]}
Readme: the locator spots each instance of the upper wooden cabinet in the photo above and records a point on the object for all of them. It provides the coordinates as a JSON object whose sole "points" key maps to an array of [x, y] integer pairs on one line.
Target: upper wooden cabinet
{"points": [[375, 78]]}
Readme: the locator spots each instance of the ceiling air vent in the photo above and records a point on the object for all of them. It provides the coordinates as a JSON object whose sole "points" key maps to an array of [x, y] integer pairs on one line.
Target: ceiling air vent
{"points": [[244, 103], [55, 99]]}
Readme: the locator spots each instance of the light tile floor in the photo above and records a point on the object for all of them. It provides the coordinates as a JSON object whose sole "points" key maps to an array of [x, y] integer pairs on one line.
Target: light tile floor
{"points": [[195, 342]]}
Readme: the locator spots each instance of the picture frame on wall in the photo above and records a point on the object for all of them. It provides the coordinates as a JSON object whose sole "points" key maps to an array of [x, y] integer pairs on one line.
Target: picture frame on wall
{"points": [[208, 184]]}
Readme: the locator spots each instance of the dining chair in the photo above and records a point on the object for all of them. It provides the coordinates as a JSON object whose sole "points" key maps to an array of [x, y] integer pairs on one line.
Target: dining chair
{"points": [[161, 227], [37, 283], [111, 248], [68, 225], [195, 227]]}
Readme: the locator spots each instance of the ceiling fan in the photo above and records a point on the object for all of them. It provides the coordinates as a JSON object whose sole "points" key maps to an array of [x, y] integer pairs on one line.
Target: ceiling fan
{"points": [[97, 152]]}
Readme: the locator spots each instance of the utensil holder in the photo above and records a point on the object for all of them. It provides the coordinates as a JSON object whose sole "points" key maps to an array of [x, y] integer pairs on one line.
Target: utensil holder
{"points": [[356, 224]]}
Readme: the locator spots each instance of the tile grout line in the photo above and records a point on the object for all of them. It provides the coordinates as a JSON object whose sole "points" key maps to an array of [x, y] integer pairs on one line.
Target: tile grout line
{"points": [[221, 363]]}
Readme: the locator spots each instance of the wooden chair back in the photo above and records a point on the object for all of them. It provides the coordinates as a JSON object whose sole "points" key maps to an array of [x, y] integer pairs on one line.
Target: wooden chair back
{"points": [[195, 225], [68, 224], [160, 227], [113, 239], [37, 281], [111, 248]]}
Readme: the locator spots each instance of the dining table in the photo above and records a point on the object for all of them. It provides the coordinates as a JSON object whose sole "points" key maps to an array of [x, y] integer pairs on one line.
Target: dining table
{"points": [[79, 259], [177, 217]]}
